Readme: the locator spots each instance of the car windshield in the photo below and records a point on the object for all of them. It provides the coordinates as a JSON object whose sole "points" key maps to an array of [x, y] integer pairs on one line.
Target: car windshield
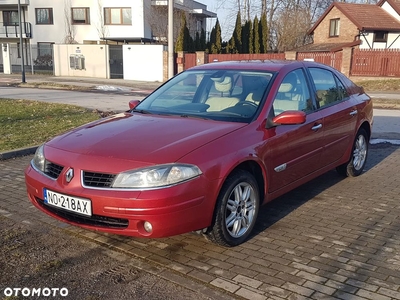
{"points": [[221, 95]]}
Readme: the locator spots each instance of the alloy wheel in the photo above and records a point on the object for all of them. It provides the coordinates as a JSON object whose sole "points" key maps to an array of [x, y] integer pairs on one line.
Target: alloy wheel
{"points": [[240, 209]]}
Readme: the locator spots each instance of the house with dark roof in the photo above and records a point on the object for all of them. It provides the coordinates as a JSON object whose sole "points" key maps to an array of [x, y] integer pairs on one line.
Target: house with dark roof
{"points": [[365, 26]]}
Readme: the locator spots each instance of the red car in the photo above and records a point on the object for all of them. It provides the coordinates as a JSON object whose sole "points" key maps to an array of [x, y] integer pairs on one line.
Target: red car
{"points": [[205, 150]]}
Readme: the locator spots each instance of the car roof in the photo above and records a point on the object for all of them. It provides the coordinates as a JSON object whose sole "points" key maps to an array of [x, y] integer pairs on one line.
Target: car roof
{"points": [[261, 65]]}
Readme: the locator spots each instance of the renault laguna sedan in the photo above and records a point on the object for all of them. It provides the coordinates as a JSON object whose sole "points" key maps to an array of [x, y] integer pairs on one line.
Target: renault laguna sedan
{"points": [[204, 151]]}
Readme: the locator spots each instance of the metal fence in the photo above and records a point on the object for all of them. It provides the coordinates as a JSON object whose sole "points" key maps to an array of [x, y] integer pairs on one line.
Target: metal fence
{"points": [[37, 59], [1, 63], [11, 29]]}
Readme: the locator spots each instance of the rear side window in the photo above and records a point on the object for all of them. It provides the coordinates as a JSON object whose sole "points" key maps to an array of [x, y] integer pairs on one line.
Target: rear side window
{"points": [[329, 89], [343, 94], [350, 85]]}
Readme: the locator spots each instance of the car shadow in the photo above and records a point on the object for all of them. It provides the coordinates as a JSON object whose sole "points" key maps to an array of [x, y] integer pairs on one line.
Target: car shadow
{"points": [[282, 206]]}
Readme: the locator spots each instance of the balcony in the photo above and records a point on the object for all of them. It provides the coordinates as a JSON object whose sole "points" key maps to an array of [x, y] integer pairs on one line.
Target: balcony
{"points": [[191, 6], [11, 30], [13, 2]]}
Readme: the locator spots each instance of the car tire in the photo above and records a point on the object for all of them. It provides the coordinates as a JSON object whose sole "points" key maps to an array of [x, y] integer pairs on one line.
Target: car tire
{"points": [[236, 210], [355, 165]]}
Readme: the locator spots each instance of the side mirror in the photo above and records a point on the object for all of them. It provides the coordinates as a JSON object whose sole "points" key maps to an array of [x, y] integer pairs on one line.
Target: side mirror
{"points": [[290, 117], [133, 104]]}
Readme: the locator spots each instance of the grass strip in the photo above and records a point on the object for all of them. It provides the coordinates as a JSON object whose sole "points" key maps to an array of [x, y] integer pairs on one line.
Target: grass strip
{"points": [[25, 123], [389, 84]]}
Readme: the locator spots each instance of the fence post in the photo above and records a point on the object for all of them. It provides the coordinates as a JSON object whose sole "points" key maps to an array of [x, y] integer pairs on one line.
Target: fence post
{"points": [[290, 55], [31, 57], [180, 60], [5, 52], [346, 60], [165, 65], [201, 58]]}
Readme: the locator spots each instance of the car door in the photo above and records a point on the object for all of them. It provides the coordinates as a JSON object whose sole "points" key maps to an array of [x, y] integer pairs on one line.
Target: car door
{"points": [[293, 151], [339, 112]]}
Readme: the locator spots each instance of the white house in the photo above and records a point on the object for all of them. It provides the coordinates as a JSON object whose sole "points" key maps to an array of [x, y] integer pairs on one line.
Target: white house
{"points": [[46, 22]]}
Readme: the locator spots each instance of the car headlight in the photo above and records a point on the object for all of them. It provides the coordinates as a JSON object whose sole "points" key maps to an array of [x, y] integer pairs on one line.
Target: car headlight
{"points": [[155, 177], [39, 160]]}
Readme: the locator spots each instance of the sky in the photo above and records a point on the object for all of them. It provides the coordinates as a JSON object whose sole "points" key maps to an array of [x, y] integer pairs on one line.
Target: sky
{"points": [[223, 17]]}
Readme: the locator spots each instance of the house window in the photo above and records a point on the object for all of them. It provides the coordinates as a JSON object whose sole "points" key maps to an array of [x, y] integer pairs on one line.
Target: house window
{"points": [[10, 17], [117, 16], [334, 27], [45, 49], [80, 15], [380, 36], [44, 16]]}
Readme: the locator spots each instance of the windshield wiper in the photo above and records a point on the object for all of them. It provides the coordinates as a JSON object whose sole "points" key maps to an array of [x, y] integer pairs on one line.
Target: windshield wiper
{"points": [[141, 111], [194, 116]]}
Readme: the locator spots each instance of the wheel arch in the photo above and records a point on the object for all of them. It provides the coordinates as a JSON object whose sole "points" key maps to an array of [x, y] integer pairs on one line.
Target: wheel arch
{"points": [[255, 169], [215, 232], [367, 127]]}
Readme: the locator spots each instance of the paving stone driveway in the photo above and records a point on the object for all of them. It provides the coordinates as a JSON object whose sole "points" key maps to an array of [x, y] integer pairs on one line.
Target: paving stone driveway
{"points": [[332, 238]]}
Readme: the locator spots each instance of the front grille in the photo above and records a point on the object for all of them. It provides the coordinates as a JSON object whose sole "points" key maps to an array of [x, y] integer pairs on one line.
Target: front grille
{"points": [[100, 180], [94, 220], [52, 170]]}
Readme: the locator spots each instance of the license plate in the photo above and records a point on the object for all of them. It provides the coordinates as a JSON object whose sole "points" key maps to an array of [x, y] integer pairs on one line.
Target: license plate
{"points": [[70, 203]]}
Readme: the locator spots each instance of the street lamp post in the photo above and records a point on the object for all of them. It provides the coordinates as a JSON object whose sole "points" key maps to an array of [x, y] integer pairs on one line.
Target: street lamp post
{"points": [[21, 45], [170, 38]]}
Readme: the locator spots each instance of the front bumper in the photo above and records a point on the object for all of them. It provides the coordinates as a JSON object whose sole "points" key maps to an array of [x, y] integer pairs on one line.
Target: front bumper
{"points": [[174, 210]]}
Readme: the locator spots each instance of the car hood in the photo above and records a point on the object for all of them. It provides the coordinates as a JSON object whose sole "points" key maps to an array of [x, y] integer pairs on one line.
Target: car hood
{"points": [[145, 138]]}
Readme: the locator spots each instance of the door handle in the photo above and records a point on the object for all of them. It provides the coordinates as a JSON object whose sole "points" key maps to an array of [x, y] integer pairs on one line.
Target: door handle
{"points": [[316, 127], [353, 113]]}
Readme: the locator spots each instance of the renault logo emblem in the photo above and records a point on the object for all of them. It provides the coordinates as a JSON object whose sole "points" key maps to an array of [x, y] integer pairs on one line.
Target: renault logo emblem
{"points": [[69, 175]]}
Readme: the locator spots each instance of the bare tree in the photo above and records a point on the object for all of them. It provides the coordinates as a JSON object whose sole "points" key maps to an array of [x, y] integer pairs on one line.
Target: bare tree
{"points": [[271, 7], [290, 28], [157, 19], [248, 10], [101, 27], [69, 28], [316, 7], [288, 20]]}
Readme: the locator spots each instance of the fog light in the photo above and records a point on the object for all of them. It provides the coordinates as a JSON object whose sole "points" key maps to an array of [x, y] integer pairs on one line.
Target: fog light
{"points": [[148, 227]]}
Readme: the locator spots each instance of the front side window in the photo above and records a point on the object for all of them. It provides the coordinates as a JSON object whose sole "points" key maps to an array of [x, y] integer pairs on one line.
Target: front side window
{"points": [[326, 87], [10, 17], [80, 15], [44, 16], [334, 27], [117, 16], [293, 94], [380, 36]]}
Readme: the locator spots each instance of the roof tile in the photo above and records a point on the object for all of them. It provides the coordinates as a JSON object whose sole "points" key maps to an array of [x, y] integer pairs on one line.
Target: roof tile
{"points": [[368, 16]]}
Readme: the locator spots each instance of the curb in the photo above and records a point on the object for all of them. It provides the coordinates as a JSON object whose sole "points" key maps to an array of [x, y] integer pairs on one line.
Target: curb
{"points": [[17, 153]]}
